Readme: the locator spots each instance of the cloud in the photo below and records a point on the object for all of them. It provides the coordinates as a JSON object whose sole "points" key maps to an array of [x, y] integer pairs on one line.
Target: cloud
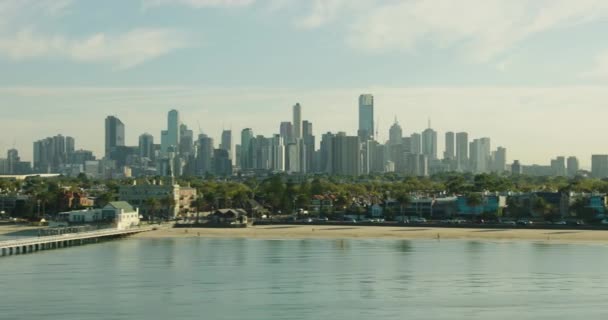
{"points": [[198, 3], [124, 50], [482, 29]]}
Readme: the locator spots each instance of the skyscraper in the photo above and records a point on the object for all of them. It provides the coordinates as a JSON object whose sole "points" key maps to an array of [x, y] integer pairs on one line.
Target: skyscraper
{"points": [[480, 155], [500, 160], [173, 130], [395, 133], [186, 140], [462, 150], [146, 146], [204, 155], [307, 151], [346, 151], [450, 151], [246, 158], [297, 121], [573, 166], [429, 143], [226, 143], [366, 116], [115, 134], [415, 143], [286, 132], [599, 166], [558, 166]]}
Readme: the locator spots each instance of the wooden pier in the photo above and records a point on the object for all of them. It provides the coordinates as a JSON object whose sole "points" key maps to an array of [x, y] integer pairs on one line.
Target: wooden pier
{"points": [[35, 244]]}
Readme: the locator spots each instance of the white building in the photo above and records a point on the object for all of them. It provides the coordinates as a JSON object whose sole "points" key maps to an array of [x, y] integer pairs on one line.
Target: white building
{"points": [[122, 214]]}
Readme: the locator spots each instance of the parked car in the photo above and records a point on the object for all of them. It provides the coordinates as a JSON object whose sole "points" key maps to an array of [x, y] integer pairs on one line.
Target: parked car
{"points": [[560, 222], [524, 222], [604, 221], [350, 220], [417, 220], [509, 222]]}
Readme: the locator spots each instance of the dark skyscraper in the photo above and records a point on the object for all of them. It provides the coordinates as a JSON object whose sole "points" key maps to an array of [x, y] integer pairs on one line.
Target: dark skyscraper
{"points": [[449, 146], [115, 134], [366, 116]]}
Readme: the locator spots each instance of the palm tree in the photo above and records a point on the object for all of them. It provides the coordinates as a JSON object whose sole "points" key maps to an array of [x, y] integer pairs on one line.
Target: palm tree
{"points": [[404, 200], [168, 202], [541, 207], [199, 203]]}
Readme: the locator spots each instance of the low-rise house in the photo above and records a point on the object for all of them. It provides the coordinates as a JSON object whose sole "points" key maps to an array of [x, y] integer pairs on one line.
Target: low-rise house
{"points": [[321, 204], [376, 210], [228, 216], [489, 204]]}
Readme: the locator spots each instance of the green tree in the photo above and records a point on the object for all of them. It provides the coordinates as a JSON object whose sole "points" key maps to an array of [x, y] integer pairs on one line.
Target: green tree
{"points": [[153, 205], [404, 200], [474, 200]]}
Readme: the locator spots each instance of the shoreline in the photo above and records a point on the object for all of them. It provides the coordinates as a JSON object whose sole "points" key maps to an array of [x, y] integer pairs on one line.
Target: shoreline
{"points": [[295, 232], [300, 232]]}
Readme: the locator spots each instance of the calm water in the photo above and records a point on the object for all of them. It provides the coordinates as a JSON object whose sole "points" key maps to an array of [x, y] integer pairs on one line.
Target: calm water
{"points": [[307, 279]]}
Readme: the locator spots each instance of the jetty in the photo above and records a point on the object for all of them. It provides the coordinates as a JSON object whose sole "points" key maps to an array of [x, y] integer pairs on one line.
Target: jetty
{"points": [[35, 244]]}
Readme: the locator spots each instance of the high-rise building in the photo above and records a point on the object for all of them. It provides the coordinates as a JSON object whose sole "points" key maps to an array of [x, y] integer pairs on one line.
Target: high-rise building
{"points": [[366, 117], [115, 134], [297, 121], [277, 161], [204, 155], [226, 143], [308, 148], [246, 160], [50, 154], [599, 166], [12, 161], [499, 162], [173, 126], [326, 152], [558, 166], [450, 150], [462, 151], [222, 165], [480, 155], [429, 143], [573, 166], [416, 143], [395, 134], [346, 155], [146, 146], [516, 168], [186, 141], [286, 131]]}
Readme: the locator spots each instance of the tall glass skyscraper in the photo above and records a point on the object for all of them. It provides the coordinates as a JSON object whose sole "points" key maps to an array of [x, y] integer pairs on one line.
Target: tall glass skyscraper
{"points": [[366, 116], [173, 129], [115, 134]]}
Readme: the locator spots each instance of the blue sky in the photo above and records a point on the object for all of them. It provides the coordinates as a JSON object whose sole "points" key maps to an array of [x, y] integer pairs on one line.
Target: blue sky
{"points": [[518, 71]]}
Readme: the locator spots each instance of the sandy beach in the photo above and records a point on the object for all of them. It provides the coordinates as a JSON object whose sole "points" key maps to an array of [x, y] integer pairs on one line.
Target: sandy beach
{"points": [[356, 232], [370, 232]]}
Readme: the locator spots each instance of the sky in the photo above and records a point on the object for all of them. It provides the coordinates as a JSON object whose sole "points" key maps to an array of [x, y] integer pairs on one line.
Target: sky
{"points": [[530, 74]]}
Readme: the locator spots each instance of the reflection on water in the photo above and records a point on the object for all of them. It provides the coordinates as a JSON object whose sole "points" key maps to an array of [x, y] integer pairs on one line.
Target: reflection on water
{"points": [[307, 279]]}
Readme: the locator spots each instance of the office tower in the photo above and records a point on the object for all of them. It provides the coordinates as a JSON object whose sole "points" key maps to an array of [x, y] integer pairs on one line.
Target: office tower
{"points": [[12, 161], [429, 143], [395, 134], [204, 154], [450, 151], [245, 160], [297, 121], [416, 143], [69, 145], [227, 142], [173, 125], [292, 157], [462, 151], [50, 154], [325, 150], [277, 162], [346, 155], [146, 146], [599, 166], [417, 165], [573, 166], [222, 165], [186, 141], [558, 166], [307, 151], [480, 155], [366, 117], [115, 134], [516, 168], [164, 142], [499, 162], [286, 131]]}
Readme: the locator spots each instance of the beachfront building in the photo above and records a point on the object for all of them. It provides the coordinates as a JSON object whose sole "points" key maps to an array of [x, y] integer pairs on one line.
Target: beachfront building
{"points": [[122, 214], [170, 199]]}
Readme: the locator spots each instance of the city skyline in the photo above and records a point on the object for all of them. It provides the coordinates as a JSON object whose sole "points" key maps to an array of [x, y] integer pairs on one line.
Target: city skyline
{"points": [[526, 73]]}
